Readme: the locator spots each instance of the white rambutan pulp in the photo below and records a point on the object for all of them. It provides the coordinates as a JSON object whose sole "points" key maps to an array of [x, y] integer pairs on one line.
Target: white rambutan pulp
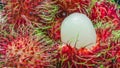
{"points": [[77, 30]]}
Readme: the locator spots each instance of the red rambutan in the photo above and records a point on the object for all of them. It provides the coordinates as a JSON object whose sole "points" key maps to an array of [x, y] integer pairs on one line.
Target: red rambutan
{"points": [[105, 11], [24, 48]]}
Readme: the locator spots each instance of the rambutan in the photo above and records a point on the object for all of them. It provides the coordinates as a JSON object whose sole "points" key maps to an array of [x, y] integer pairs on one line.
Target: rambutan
{"points": [[34, 42], [24, 48], [105, 53], [54, 32], [71, 6], [21, 11], [104, 11]]}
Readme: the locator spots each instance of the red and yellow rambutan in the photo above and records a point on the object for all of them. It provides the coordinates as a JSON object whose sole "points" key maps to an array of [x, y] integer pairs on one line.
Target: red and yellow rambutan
{"points": [[22, 49]]}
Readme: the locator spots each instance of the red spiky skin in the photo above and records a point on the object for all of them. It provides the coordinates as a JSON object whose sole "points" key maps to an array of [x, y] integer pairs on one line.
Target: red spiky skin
{"points": [[22, 52], [74, 5], [83, 58], [21, 11], [23, 49], [54, 31], [105, 12]]}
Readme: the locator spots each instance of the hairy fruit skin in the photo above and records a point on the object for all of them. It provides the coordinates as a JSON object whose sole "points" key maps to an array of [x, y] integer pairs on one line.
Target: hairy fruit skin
{"points": [[21, 12], [30, 36], [105, 11], [24, 48], [72, 57], [55, 31]]}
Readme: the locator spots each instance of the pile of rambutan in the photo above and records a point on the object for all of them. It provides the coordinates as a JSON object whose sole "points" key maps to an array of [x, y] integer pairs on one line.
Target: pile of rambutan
{"points": [[30, 34]]}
